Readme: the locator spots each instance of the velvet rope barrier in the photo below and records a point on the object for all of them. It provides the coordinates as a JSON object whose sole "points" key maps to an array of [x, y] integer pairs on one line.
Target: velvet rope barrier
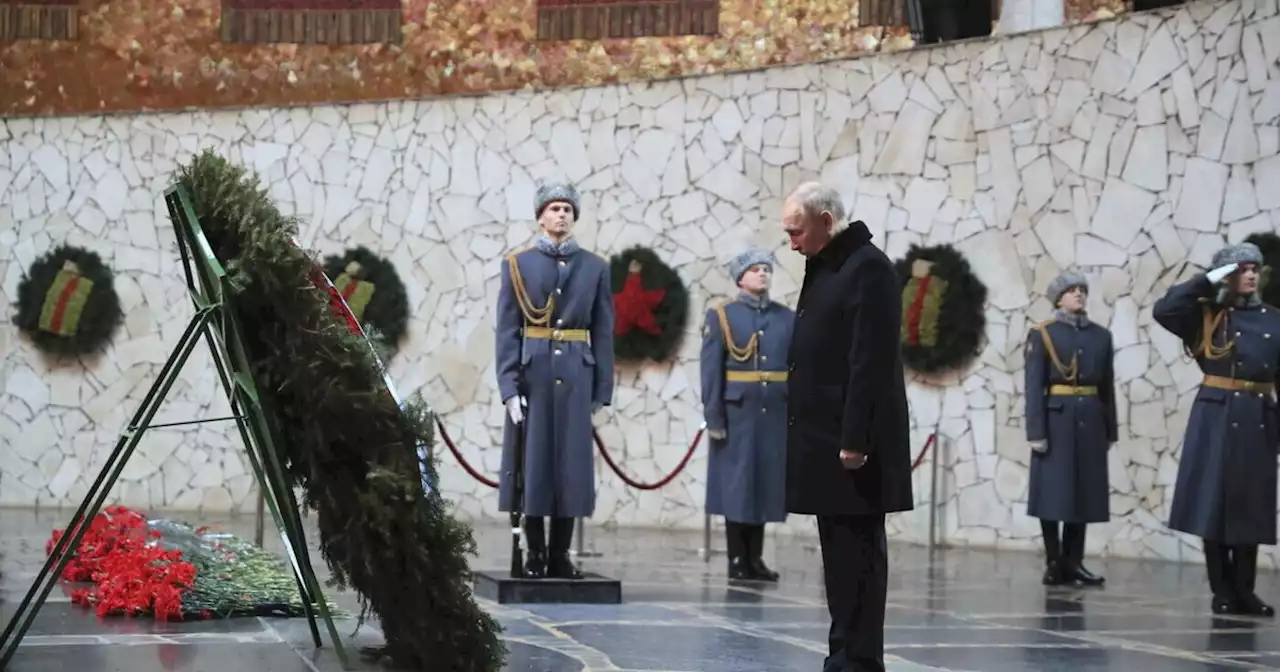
{"points": [[684, 462], [933, 438], [444, 434], [693, 446]]}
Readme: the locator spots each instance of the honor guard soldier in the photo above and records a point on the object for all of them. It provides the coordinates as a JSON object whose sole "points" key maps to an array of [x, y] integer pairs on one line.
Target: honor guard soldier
{"points": [[1071, 424], [744, 400], [554, 343], [1226, 488]]}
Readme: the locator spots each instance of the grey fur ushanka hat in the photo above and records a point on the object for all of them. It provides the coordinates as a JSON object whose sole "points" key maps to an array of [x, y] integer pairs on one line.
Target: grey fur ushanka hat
{"points": [[739, 264], [1240, 253], [556, 191], [1065, 282]]}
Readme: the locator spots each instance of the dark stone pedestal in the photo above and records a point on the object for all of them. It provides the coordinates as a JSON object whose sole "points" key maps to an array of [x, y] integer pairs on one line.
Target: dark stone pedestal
{"points": [[590, 589]]}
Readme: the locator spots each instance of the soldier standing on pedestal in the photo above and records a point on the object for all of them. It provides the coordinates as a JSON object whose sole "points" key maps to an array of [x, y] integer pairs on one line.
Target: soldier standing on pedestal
{"points": [[1071, 424], [1226, 488], [554, 346], [744, 399]]}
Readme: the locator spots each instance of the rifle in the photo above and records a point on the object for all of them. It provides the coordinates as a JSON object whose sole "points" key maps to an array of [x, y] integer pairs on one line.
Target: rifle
{"points": [[517, 504]]}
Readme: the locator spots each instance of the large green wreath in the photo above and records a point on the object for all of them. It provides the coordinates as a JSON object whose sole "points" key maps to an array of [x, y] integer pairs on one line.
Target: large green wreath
{"points": [[664, 291], [373, 291], [943, 303], [67, 303], [1269, 244], [349, 446]]}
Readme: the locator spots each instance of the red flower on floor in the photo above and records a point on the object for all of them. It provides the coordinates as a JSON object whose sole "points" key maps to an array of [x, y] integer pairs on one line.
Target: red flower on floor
{"points": [[634, 306], [132, 574]]}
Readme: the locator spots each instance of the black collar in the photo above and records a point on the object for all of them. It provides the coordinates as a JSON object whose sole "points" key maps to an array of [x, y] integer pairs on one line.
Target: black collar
{"points": [[843, 245]]}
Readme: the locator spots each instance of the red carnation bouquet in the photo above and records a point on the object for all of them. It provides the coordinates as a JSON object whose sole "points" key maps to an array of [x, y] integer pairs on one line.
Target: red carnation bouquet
{"points": [[132, 573]]}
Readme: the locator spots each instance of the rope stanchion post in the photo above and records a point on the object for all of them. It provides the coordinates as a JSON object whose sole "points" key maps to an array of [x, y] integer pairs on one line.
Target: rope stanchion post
{"points": [[935, 462], [581, 551], [706, 551]]}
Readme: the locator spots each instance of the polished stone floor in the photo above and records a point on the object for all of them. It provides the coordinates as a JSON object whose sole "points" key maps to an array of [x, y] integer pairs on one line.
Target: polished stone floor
{"points": [[956, 610]]}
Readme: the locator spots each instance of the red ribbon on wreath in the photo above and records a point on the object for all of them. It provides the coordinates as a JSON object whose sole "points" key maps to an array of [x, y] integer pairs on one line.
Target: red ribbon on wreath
{"points": [[634, 305]]}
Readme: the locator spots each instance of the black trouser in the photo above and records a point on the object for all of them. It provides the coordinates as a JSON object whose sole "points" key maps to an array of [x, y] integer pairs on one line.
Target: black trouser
{"points": [[855, 568], [1069, 547], [561, 534], [743, 540], [1233, 570]]}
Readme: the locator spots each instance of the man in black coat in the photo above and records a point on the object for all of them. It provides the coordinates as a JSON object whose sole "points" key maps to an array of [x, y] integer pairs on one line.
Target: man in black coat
{"points": [[848, 448]]}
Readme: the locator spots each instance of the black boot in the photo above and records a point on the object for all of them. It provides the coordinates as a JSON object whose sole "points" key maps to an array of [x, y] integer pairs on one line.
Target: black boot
{"points": [[736, 546], [559, 566], [535, 541], [1245, 575], [1217, 563], [1052, 553], [1073, 557], [755, 554]]}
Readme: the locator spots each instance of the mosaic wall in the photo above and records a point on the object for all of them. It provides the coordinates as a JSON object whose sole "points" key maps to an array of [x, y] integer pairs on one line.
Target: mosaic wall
{"points": [[167, 55], [1128, 147]]}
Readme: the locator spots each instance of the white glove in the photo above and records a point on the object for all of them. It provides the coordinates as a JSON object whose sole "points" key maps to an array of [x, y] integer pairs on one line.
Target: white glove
{"points": [[595, 407], [1041, 447], [1216, 275], [514, 409], [717, 434]]}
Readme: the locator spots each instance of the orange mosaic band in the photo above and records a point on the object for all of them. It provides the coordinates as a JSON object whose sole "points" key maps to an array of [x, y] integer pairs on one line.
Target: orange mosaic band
{"points": [[64, 303]]}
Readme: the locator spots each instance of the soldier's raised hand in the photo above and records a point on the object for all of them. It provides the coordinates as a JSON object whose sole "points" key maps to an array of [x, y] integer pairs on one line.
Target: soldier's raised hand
{"points": [[515, 408], [1216, 275], [1041, 447]]}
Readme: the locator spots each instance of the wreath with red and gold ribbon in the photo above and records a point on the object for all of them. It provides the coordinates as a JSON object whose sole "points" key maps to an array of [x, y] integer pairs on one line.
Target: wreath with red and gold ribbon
{"points": [[67, 303], [651, 306], [942, 309], [374, 293]]}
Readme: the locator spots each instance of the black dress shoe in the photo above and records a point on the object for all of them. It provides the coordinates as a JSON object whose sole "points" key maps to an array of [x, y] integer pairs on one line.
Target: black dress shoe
{"points": [[535, 565], [1225, 604], [762, 571], [560, 567], [740, 570], [1052, 574], [1077, 574], [1250, 604]]}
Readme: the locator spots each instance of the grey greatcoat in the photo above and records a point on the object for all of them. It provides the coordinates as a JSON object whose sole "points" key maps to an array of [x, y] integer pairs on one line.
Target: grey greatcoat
{"points": [[563, 375], [746, 471], [1226, 487], [1071, 405]]}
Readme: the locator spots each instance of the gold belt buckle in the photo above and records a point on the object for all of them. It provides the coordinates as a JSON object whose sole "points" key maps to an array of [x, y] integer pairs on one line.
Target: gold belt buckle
{"points": [[557, 335]]}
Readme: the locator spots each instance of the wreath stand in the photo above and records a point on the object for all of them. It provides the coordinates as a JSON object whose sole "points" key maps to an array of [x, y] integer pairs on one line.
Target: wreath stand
{"points": [[215, 320]]}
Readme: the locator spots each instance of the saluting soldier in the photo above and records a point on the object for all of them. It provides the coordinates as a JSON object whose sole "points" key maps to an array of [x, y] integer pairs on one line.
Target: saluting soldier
{"points": [[744, 400], [1226, 488], [1071, 424], [554, 345]]}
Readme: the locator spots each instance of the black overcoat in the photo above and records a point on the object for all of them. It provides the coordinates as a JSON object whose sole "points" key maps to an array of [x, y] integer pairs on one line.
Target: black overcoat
{"points": [[846, 388], [1070, 481], [1226, 486]]}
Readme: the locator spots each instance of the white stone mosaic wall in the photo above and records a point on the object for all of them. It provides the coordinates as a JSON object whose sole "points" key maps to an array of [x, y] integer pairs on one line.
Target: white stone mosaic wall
{"points": [[1129, 147]]}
